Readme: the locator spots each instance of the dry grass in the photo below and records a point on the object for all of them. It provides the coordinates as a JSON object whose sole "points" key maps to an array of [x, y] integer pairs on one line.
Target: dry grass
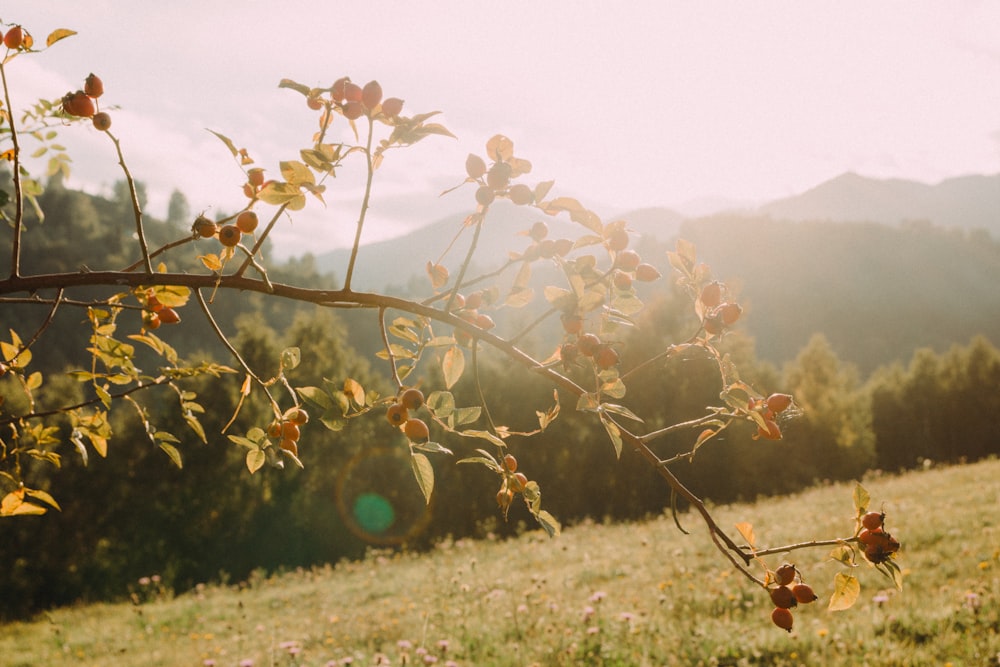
{"points": [[636, 594]]}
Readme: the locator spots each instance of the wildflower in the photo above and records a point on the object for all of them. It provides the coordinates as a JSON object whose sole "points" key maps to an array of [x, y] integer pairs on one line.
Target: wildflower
{"points": [[593, 630], [626, 616], [144, 581], [404, 644], [588, 611], [443, 645], [208, 662], [598, 596], [246, 662]]}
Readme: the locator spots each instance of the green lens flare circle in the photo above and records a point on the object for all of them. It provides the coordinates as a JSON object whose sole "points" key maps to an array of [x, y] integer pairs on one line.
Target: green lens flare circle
{"points": [[378, 498]]}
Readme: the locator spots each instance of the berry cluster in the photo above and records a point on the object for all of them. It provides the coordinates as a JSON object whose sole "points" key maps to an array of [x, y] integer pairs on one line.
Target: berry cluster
{"points": [[83, 103], [354, 101], [467, 308], [228, 233], [879, 544], [717, 315], [788, 593], [16, 38], [398, 414], [287, 430], [155, 313], [769, 408], [514, 482]]}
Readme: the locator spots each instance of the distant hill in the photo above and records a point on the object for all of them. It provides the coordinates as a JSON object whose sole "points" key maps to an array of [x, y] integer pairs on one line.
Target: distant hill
{"points": [[968, 202]]}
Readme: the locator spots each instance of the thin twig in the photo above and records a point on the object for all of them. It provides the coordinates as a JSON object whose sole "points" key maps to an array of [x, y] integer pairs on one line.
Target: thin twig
{"points": [[260, 241], [388, 350], [159, 251], [364, 206], [136, 208], [15, 260]]}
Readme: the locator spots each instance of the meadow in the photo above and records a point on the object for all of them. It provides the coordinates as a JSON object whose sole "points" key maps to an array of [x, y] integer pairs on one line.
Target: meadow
{"points": [[625, 594]]}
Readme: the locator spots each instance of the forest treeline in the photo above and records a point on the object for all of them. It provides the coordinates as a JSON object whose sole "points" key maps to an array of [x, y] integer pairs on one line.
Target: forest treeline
{"points": [[133, 514]]}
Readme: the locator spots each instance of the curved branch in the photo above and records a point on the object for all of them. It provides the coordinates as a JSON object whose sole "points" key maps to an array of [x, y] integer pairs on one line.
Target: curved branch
{"points": [[15, 260], [136, 209], [364, 206]]}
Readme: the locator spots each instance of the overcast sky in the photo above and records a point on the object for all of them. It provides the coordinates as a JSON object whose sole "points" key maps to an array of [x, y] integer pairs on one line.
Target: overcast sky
{"points": [[625, 105]]}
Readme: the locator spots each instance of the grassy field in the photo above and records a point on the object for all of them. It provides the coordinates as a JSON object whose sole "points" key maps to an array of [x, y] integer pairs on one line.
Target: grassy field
{"points": [[635, 594]]}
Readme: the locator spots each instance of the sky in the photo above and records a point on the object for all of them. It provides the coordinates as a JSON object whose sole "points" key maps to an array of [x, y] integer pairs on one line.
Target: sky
{"points": [[625, 105]]}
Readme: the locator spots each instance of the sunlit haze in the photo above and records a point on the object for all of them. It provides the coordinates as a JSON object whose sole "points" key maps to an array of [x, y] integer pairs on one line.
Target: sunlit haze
{"points": [[653, 103]]}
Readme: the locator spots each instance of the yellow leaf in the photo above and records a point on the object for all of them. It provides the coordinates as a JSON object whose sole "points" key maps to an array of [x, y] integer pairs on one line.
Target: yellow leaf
{"points": [[846, 590], [211, 262], [56, 35], [424, 473], [453, 365], [255, 460], [500, 148], [354, 389], [746, 530], [438, 275]]}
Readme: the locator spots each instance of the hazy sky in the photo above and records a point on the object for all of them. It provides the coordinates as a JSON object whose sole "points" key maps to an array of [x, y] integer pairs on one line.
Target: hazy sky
{"points": [[625, 105]]}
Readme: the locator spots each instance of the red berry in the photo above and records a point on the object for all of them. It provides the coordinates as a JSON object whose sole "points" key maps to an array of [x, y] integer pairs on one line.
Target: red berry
{"points": [[572, 324], [518, 482], [606, 357], [804, 593], [782, 618], [371, 94], [14, 38], [353, 110], [298, 416], [778, 402], [588, 344], [353, 92], [873, 520], [93, 86], [392, 107], [510, 463], [169, 316], [711, 294], [337, 89], [730, 312]]}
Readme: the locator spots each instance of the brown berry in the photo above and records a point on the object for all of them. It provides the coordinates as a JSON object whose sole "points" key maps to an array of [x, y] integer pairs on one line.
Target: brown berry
{"points": [[572, 323], [485, 196], [711, 294], [204, 227], [255, 177], [617, 240], [520, 194], [785, 574], [498, 177], [783, 597], [538, 231], [730, 312], [588, 344], [606, 357], [475, 167], [102, 121]]}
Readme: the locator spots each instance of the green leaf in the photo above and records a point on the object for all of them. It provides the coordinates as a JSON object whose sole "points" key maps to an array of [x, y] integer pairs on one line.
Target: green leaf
{"points": [[620, 410], [861, 499], [549, 523], [173, 453], [296, 172], [424, 472], [489, 463], [315, 396], [846, 590], [255, 459], [441, 403], [291, 357], [432, 448]]}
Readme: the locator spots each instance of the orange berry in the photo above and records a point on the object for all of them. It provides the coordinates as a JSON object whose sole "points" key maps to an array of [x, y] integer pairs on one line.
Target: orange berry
{"points": [[778, 402], [785, 574], [274, 429], [730, 312], [474, 300], [412, 399], [646, 273], [255, 177], [151, 320], [770, 430], [617, 240], [711, 294], [563, 246], [79, 104], [518, 482], [93, 86], [782, 618], [204, 227], [371, 94], [606, 357], [397, 414], [484, 322], [804, 593], [290, 431], [298, 416], [102, 121], [169, 316], [510, 463], [314, 103], [416, 430], [392, 107], [628, 260], [290, 446], [783, 597], [572, 324], [622, 280], [588, 344], [230, 235], [247, 221]]}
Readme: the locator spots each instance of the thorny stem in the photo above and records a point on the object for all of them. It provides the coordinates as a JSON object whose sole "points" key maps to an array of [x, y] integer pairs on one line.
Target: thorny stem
{"points": [[136, 209], [805, 545], [388, 349], [15, 260], [233, 350], [364, 205], [160, 251]]}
